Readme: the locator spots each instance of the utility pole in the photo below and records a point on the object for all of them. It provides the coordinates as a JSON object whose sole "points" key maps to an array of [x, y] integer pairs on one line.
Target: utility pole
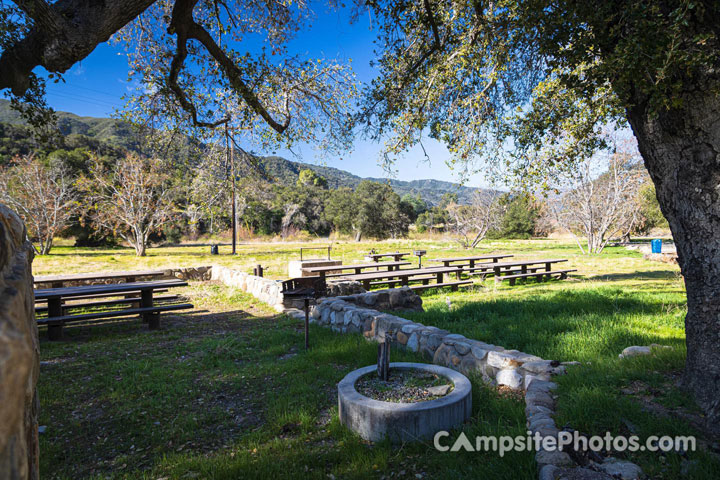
{"points": [[230, 155]]}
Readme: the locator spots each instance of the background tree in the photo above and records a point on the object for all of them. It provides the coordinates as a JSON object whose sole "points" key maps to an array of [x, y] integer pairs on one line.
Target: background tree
{"points": [[472, 222], [520, 215], [417, 204], [650, 216], [341, 209], [132, 198], [308, 178], [379, 214], [598, 207], [42, 194], [435, 218]]}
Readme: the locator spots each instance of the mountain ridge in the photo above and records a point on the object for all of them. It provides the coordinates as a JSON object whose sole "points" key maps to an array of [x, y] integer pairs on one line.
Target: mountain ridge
{"points": [[118, 133]]}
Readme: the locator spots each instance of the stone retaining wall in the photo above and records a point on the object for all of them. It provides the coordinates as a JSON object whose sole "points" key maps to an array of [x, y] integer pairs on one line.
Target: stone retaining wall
{"points": [[264, 289], [496, 365], [19, 353]]}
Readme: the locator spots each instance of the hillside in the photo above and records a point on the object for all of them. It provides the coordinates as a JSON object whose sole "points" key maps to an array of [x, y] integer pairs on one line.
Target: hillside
{"points": [[286, 172], [115, 133]]}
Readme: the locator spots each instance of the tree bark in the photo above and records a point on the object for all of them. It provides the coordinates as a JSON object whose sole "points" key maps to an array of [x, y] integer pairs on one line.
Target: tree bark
{"points": [[681, 150], [64, 33]]}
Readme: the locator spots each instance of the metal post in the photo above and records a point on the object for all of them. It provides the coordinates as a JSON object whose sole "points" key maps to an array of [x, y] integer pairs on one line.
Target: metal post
{"points": [[230, 155], [307, 323]]}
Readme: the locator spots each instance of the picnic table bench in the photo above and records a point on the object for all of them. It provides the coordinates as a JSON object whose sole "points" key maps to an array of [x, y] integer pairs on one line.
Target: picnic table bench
{"points": [[59, 281], [397, 256], [404, 277], [514, 270], [358, 267], [469, 261], [57, 315]]}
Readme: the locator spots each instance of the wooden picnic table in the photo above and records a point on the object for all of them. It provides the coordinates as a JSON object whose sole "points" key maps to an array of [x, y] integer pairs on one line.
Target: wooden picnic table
{"points": [[506, 267], [357, 267], [149, 312], [470, 260], [58, 281], [404, 275], [397, 256]]}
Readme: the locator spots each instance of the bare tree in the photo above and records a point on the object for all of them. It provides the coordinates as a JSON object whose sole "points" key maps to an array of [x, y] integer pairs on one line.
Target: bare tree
{"points": [[472, 222], [132, 199], [600, 206], [42, 195]]}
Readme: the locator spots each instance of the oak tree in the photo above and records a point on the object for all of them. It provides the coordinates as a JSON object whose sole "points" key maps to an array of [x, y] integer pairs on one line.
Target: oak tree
{"points": [[529, 85]]}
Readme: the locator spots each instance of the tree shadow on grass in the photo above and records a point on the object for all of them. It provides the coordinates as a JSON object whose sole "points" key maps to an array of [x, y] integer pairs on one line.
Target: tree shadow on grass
{"points": [[645, 275], [563, 325]]}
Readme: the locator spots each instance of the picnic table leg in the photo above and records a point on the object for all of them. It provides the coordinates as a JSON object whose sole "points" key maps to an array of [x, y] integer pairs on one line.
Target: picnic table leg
{"points": [[472, 264], [496, 270], [55, 331], [131, 279], [366, 284], [152, 318], [404, 281], [439, 278], [358, 270]]}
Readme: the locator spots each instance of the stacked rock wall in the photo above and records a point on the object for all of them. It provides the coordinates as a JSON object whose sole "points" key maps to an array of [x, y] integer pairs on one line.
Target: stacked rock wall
{"points": [[19, 353], [359, 314], [264, 289]]}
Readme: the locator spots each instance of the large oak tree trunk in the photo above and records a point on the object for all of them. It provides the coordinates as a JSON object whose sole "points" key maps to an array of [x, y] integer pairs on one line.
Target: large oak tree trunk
{"points": [[681, 150]]}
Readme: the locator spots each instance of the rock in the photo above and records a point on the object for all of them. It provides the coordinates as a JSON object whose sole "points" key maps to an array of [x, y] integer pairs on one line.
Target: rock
{"points": [[530, 378], [462, 348], [635, 351], [439, 390], [539, 398], [442, 355], [479, 353], [541, 366], [548, 472], [579, 474], [502, 360], [19, 357], [553, 457], [470, 365], [412, 343], [402, 338], [509, 378], [621, 469]]}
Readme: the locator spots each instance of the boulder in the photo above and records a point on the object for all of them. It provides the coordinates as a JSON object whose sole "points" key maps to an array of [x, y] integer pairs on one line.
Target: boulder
{"points": [[621, 469], [635, 351]]}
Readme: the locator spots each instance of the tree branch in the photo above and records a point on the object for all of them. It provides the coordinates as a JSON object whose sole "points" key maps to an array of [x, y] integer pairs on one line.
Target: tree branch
{"points": [[184, 26], [64, 33]]}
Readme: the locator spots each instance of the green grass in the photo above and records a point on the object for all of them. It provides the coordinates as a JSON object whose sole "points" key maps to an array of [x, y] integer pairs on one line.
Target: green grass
{"points": [[223, 393], [591, 319], [234, 397]]}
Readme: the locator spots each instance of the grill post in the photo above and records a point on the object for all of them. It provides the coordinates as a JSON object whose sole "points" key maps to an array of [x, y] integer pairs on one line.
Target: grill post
{"points": [[307, 323]]}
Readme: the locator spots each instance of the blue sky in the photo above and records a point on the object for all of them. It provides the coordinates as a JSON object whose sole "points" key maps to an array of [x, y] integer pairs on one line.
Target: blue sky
{"points": [[94, 87]]}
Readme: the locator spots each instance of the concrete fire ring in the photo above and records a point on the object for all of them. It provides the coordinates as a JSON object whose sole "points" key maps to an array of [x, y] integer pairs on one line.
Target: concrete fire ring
{"points": [[375, 420]]}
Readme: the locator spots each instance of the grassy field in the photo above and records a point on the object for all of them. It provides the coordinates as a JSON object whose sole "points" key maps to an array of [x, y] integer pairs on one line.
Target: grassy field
{"points": [[224, 392]]}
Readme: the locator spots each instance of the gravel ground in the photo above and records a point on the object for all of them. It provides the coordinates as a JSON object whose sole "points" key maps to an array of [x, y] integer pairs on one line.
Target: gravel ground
{"points": [[404, 386]]}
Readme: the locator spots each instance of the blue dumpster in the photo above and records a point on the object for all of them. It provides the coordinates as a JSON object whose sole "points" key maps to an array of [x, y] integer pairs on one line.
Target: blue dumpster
{"points": [[656, 245]]}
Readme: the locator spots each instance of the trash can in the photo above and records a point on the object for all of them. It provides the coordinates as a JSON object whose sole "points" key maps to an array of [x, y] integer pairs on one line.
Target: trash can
{"points": [[656, 245], [213, 250]]}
